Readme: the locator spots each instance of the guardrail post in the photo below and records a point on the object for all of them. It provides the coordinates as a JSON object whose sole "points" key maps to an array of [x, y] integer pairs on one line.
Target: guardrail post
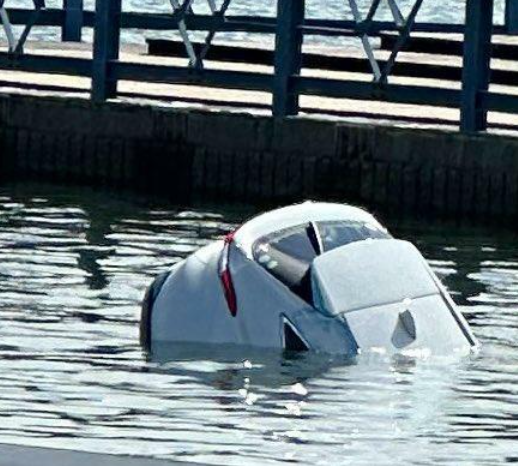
{"points": [[288, 56], [511, 16], [106, 48], [73, 25], [476, 73]]}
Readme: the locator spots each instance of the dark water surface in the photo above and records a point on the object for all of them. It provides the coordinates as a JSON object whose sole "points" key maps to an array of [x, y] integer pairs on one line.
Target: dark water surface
{"points": [[73, 267]]}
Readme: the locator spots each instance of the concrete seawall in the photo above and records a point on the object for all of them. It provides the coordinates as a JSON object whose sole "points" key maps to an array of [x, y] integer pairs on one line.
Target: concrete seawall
{"points": [[192, 154]]}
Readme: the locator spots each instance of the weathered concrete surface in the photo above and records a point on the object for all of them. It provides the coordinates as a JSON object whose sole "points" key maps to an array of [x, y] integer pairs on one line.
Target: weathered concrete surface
{"points": [[11, 455], [184, 154]]}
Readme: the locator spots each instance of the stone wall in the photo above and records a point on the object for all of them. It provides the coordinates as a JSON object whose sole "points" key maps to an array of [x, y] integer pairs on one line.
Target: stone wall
{"points": [[187, 154]]}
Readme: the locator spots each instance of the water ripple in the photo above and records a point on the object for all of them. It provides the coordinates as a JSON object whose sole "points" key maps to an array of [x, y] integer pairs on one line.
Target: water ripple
{"points": [[73, 269]]}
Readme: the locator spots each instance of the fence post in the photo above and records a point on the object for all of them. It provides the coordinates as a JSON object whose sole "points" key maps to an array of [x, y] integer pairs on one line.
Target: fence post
{"points": [[511, 16], [476, 73], [106, 48], [288, 56], [73, 24]]}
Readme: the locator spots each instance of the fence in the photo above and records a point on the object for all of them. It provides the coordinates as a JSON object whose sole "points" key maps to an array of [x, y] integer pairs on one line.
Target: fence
{"points": [[290, 27]]}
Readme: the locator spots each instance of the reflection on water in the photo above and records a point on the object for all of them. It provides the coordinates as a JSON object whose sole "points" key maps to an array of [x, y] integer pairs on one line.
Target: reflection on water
{"points": [[73, 268]]}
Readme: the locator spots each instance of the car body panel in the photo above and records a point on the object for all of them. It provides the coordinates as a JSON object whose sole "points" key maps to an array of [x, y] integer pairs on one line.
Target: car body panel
{"points": [[364, 295]]}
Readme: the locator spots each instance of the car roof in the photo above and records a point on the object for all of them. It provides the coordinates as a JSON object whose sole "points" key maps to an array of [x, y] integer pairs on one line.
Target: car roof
{"points": [[298, 214]]}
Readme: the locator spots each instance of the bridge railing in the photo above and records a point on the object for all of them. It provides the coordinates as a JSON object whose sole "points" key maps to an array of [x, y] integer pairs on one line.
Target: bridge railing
{"points": [[290, 27]]}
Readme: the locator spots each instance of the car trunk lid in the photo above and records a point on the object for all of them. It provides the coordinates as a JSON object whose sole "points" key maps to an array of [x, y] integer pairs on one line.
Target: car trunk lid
{"points": [[388, 296]]}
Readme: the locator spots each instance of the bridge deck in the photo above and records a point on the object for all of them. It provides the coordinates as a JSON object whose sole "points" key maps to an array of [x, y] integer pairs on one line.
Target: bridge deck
{"points": [[166, 95]]}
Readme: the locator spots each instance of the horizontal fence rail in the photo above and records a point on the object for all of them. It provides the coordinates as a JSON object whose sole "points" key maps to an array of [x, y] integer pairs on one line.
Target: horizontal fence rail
{"points": [[290, 27]]}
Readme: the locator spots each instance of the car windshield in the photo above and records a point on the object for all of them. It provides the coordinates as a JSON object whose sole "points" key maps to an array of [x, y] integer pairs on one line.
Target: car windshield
{"points": [[288, 254]]}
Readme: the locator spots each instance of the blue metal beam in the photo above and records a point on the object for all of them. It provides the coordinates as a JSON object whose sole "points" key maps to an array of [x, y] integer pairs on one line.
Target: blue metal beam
{"points": [[47, 17], [477, 64], [74, 19], [106, 48], [361, 90], [182, 75], [504, 103], [511, 16], [288, 56], [69, 66], [406, 28], [16, 45]]}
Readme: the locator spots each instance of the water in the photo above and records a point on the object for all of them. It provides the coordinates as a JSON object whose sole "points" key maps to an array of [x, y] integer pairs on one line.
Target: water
{"points": [[73, 268], [444, 11]]}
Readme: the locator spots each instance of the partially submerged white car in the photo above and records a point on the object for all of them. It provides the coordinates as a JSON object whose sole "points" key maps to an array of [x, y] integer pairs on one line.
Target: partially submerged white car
{"points": [[313, 276]]}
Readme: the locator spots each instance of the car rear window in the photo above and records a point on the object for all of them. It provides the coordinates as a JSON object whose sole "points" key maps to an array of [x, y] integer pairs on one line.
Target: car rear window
{"points": [[336, 234], [288, 254]]}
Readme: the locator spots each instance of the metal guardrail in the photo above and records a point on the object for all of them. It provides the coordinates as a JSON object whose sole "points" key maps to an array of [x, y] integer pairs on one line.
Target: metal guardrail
{"points": [[290, 27]]}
